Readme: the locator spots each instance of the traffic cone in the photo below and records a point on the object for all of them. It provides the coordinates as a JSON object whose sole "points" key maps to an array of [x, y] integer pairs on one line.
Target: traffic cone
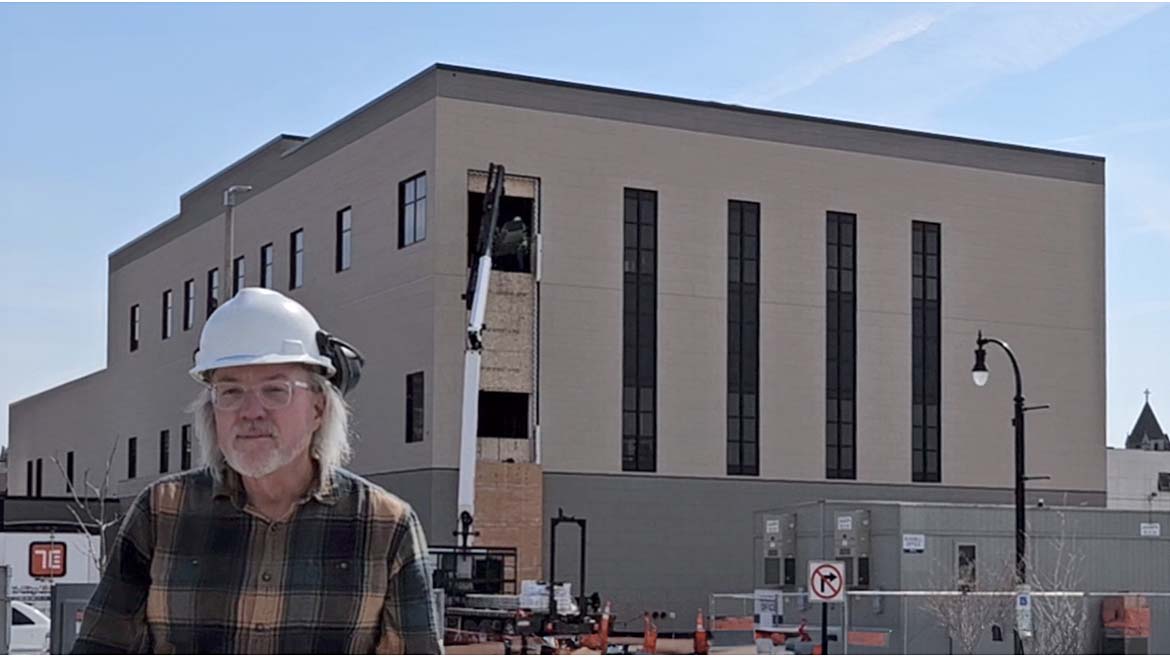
{"points": [[599, 639], [649, 635], [701, 644]]}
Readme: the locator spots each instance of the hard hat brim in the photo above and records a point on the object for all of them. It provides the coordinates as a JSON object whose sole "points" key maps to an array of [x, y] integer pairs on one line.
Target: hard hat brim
{"points": [[239, 360]]}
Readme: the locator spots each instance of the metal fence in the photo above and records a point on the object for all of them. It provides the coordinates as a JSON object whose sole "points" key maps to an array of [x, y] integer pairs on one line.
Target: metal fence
{"points": [[943, 622]]}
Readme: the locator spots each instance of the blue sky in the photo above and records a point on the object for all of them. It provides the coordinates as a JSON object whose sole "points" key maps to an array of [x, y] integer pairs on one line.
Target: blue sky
{"points": [[109, 112]]}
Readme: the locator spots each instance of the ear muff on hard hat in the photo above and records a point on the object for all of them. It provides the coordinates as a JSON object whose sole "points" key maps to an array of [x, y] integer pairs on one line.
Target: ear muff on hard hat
{"points": [[346, 359], [260, 326]]}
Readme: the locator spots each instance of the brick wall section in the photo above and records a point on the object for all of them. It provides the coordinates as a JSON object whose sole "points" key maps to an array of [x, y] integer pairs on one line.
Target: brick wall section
{"points": [[509, 511]]}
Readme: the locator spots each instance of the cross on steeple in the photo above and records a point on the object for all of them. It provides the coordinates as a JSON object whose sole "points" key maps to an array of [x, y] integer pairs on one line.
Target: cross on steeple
{"points": [[1147, 396]]}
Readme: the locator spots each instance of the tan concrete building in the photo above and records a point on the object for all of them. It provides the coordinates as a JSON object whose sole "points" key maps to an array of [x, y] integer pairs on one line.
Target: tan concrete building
{"points": [[723, 310]]}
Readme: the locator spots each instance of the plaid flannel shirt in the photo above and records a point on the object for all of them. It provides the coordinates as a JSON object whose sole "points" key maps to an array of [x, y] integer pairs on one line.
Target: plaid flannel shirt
{"points": [[195, 569]]}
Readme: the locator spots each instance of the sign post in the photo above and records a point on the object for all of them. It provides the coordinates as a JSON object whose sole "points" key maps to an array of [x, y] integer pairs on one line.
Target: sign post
{"points": [[1024, 611], [826, 583]]}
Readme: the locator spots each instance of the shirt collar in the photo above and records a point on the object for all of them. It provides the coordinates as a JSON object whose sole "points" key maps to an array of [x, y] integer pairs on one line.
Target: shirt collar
{"points": [[323, 488]]}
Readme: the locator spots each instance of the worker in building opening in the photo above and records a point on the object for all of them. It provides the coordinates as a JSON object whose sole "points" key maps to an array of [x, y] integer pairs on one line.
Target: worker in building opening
{"points": [[512, 240], [271, 547]]}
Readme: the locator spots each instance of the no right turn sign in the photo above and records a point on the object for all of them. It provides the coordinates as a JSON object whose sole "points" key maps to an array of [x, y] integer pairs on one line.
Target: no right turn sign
{"points": [[826, 581]]}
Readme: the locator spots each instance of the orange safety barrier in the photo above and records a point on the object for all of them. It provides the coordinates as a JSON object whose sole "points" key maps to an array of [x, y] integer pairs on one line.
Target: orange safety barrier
{"points": [[649, 635], [702, 645]]}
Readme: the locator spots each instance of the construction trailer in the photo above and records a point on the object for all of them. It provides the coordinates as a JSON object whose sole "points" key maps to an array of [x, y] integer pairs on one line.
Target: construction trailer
{"points": [[895, 553]]}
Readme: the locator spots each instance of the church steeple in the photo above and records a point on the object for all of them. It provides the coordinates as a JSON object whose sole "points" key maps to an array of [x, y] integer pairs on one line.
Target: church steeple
{"points": [[1147, 434]]}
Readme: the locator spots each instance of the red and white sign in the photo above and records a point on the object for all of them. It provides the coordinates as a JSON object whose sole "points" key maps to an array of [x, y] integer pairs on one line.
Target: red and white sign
{"points": [[826, 581], [46, 559]]}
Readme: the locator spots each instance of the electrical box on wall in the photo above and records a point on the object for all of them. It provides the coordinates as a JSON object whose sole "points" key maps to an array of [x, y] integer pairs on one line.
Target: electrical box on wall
{"points": [[851, 546], [779, 550]]}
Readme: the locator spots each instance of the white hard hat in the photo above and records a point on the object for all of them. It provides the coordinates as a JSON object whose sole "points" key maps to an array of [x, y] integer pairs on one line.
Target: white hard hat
{"points": [[258, 327]]}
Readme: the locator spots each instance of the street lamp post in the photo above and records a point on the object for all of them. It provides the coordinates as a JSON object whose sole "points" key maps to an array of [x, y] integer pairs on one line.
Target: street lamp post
{"points": [[979, 374], [229, 238]]}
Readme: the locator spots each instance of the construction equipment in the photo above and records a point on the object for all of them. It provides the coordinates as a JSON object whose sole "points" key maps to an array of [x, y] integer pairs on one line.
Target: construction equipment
{"points": [[478, 285]]}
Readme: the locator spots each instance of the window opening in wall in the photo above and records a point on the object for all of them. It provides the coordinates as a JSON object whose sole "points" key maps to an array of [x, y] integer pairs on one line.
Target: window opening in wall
{"points": [[965, 565], [503, 415], [514, 244]]}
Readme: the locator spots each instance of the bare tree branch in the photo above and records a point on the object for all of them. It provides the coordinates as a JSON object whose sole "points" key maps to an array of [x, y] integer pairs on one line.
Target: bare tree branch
{"points": [[82, 508]]}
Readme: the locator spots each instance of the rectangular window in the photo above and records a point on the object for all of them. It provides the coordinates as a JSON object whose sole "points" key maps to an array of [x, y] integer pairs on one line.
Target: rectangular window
{"points": [[296, 259], [841, 347], [238, 274], [965, 564], [135, 325], [188, 304], [185, 448], [344, 232], [415, 392], [40, 476], [743, 337], [69, 472], [132, 458], [1163, 482], [639, 330], [212, 290], [266, 261], [412, 210], [168, 312], [926, 352], [29, 484], [503, 415], [164, 451]]}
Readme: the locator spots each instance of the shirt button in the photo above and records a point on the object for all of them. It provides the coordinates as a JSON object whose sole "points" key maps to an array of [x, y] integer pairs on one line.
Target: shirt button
{"points": [[343, 566], [260, 627], [272, 528], [266, 576]]}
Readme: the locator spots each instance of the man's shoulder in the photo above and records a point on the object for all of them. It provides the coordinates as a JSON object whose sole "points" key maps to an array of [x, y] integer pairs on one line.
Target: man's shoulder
{"points": [[167, 493], [381, 504]]}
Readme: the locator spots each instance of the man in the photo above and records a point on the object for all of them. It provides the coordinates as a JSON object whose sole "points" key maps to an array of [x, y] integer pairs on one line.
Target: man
{"points": [[271, 547]]}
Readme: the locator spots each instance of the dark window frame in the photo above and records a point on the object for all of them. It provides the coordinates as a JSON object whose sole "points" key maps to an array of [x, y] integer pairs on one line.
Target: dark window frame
{"points": [[267, 265], [296, 259], [239, 274], [1163, 481], [29, 480], [926, 352], [188, 304], [415, 407], [164, 451], [343, 240], [132, 458], [841, 346], [168, 313], [40, 476], [640, 330], [135, 327], [213, 286], [185, 448], [412, 203], [69, 485], [743, 337]]}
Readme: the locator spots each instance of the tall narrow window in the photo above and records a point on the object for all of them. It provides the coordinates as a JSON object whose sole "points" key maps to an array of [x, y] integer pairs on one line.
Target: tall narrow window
{"points": [[135, 326], [40, 476], [69, 472], [238, 274], [266, 262], [188, 304], [840, 348], [926, 350], [415, 392], [132, 458], [296, 259], [344, 232], [412, 210], [212, 290], [168, 312], [29, 484], [639, 331], [185, 448], [743, 337], [164, 451]]}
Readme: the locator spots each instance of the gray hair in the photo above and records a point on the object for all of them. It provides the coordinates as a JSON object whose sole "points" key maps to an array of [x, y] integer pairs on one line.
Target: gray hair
{"points": [[330, 445]]}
